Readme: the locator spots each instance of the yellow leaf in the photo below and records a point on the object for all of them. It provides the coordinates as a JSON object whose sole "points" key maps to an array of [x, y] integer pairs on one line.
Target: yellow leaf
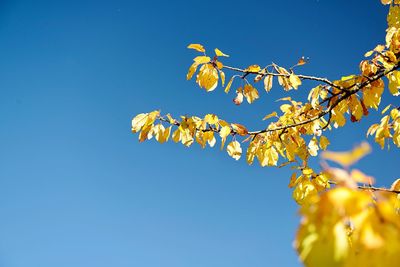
{"points": [[186, 138], [323, 142], [268, 156], [201, 60], [394, 82], [234, 150], [285, 108], [369, 53], [176, 136], [224, 133], [372, 129], [197, 47], [161, 134], [307, 171], [386, 109], [228, 86], [253, 68], [146, 133], [207, 77], [372, 94], [348, 158], [138, 122], [304, 191], [294, 80], [395, 113], [395, 185], [251, 152], [191, 71], [393, 17], [285, 83], [360, 177], [293, 179], [239, 129], [273, 114], [219, 64], [250, 93], [313, 147], [355, 107], [211, 119], [222, 74], [239, 96], [268, 83], [219, 53]]}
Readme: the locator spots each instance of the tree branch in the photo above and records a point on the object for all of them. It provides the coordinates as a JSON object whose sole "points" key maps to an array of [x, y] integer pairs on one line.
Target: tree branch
{"points": [[304, 77]]}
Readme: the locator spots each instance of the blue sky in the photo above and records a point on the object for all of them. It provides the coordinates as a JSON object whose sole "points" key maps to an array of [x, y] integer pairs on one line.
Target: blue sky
{"points": [[78, 189]]}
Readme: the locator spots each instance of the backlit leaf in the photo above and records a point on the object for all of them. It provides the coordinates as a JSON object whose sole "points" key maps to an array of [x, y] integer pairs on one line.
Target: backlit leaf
{"points": [[234, 150], [197, 47], [219, 53]]}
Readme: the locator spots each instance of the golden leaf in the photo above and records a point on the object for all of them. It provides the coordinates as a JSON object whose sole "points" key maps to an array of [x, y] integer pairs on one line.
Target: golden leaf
{"points": [[313, 147], [207, 77], [239, 129], [386, 109], [395, 185], [394, 83], [222, 74], [224, 133], [201, 60], [176, 136], [360, 177], [268, 83], [323, 142], [250, 93], [228, 86], [197, 47], [348, 158], [219, 53], [211, 119], [239, 96], [138, 122], [293, 179], [253, 68], [273, 114], [234, 150], [294, 81], [191, 71]]}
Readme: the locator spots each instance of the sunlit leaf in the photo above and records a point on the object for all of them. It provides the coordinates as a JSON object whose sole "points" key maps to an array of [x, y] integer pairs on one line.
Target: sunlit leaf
{"points": [[197, 47], [219, 53]]}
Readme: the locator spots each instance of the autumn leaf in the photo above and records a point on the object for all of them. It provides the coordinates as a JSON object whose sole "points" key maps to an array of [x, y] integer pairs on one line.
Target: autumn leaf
{"points": [[294, 81], [302, 61], [239, 129], [219, 53], [273, 114], [228, 86], [250, 93], [239, 96], [197, 47], [201, 60], [253, 68], [348, 158], [234, 150], [268, 82]]}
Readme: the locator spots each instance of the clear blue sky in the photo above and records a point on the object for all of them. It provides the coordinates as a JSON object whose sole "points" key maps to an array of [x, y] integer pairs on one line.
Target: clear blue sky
{"points": [[78, 189]]}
